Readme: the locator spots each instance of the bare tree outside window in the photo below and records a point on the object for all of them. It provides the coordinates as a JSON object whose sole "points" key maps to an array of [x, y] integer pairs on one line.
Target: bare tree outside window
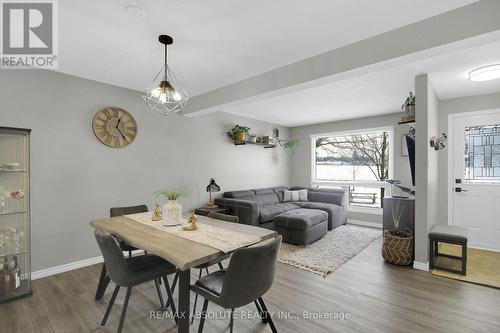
{"points": [[356, 157]]}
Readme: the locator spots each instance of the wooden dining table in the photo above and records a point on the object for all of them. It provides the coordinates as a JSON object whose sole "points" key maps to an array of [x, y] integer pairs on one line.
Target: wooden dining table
{"points": [[181, 252]]}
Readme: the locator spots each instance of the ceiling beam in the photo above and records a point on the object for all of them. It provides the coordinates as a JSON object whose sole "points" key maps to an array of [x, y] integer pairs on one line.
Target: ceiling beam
{"points": [[433, 36]]}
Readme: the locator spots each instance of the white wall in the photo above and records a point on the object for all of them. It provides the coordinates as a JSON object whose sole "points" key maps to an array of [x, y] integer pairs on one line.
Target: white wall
{"points": [[301, 161], [447, 107], [75, 178], [426, 165]]}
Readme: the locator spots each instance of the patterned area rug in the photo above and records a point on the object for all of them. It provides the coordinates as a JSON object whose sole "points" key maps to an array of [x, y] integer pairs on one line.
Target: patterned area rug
{"points": [[330, 252]]}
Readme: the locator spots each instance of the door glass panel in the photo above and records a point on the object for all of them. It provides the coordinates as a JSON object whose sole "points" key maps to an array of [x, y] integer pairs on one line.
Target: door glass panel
{"points": [[482, 154]]}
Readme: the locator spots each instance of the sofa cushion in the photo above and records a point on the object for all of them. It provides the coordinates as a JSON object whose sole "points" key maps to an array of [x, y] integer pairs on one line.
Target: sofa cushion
{"points": [[269, 212], [300, 219], [335, 212], [265, 196], [299, 195], [279, 192], [240, 195]]}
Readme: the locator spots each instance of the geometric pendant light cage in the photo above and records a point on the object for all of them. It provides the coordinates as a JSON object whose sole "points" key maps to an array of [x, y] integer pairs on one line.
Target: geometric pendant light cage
{"points": [[166, 95]]}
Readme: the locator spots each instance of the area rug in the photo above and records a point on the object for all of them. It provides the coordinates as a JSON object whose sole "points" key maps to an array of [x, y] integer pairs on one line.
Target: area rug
{"points": [[483, 267], [330, 252]]}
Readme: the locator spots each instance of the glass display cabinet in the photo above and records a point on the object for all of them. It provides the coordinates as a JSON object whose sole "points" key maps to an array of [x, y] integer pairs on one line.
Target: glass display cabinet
{"points": [[15, 254]]}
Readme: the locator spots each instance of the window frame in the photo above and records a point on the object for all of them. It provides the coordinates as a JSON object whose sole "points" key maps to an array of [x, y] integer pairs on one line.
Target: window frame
{"points": [[338, 183]]}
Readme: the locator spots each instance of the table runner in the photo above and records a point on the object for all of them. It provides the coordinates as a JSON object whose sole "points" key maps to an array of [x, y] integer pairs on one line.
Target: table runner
{"points": [[218, 238]]}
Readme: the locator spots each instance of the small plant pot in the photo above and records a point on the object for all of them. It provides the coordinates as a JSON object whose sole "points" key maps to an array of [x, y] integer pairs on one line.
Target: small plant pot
{"points": [[240, 137], [252, 139], [397, 247]]}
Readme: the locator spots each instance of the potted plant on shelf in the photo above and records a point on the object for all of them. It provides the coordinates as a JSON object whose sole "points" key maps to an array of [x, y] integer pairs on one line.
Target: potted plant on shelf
{"points": [[252, 138], [397, 245], [238, 133], [171, 210], [409, 107]]}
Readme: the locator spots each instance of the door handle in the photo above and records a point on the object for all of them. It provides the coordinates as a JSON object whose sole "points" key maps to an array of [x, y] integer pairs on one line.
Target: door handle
{"points": [[459, 189]]}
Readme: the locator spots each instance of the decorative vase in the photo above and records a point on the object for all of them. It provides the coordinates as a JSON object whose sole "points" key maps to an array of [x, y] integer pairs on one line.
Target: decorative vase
{"points": [[172, 213], [397, 247], [252, 139]]}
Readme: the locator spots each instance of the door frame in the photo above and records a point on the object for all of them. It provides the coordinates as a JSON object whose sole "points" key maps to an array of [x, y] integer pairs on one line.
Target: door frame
{"points": [[451, 170]]}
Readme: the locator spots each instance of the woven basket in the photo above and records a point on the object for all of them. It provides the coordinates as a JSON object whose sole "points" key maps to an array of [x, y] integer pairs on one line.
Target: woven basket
{"points": [[398, 249]]}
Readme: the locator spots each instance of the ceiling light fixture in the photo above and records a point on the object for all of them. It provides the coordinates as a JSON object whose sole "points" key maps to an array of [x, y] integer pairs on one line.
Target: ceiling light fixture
{"points": [[166, 94], [486, 73]]}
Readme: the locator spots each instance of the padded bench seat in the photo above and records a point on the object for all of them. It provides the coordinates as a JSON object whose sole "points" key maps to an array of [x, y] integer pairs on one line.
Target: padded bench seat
{"points": [[451, 235], [302, 226]]}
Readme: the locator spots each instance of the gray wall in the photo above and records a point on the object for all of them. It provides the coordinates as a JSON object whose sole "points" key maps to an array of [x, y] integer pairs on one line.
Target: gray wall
{"points": [[447, 107], [75, 178], [301, 161]]}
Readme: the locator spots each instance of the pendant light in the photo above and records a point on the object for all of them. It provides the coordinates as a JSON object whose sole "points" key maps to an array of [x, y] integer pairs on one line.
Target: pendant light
{"points": [[166, 94]]}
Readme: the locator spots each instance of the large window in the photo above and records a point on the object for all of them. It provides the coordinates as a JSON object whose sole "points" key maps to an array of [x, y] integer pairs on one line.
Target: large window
{"points": [[359, 161]]}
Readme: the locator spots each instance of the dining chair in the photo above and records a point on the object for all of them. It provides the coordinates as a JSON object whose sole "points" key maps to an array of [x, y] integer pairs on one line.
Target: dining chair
{"points": [[218, 261], [104, 279], [130, 272], [249, 276]]}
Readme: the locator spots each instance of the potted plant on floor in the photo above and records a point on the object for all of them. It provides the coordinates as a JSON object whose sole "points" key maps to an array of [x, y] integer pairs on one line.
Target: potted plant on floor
{"points": [[238, 133], [397, 245]]}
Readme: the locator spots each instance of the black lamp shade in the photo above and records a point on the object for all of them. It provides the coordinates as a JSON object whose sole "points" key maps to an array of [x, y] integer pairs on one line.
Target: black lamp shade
{"points": [[212, 186]]}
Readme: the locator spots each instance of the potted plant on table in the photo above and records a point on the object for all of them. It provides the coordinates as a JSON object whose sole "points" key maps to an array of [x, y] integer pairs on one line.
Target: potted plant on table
{"points": [[397, 245], [172, 210], [238, 133]]}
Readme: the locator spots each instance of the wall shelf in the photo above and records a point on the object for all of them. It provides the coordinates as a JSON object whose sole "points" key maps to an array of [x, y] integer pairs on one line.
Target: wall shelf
{"points": [[266, 146], [406, 122]]}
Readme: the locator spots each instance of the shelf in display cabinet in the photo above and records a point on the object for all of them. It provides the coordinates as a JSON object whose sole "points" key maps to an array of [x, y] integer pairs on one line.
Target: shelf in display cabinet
{"points": [[24, 290], [13, 213], [11, 171], [13, 254]]}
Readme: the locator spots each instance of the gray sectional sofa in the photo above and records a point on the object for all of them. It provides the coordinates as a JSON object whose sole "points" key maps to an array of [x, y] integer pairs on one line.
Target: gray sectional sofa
{"points": [[310, 220]]}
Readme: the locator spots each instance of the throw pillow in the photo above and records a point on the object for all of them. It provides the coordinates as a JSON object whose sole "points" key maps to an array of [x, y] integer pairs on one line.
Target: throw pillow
{"points": [[300, 195]]}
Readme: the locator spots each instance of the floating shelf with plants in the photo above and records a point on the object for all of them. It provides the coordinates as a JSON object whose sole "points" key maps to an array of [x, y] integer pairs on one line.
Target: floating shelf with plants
{"points": [[265, 145]]}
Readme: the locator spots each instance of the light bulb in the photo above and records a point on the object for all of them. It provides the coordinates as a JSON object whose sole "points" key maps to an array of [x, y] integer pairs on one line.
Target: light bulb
{"points": [[163, 98], [177, 96], [156, 92]]}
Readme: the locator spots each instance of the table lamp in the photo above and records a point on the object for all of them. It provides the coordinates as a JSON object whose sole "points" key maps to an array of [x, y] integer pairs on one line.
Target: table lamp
{"points": [[212, 187]]}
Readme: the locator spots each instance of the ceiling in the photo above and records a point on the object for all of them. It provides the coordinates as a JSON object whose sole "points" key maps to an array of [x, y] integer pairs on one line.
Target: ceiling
{"points": [[219, 42], [377, 93]]}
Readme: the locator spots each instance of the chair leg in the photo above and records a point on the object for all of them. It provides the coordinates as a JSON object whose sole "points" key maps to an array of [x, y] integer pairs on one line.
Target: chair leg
{"points": [[124, 310], [195, 300], [170, 300], [130, 254], [260, 311], [203, 316], [101, 285], [174, 283], [231, 321], [220, 265], [206, 269], [110, 305], [268, 317], [160, 296]]}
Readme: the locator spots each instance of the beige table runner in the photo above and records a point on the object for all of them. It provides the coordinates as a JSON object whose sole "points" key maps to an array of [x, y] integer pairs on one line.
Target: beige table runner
{"points": [[218, 238]]}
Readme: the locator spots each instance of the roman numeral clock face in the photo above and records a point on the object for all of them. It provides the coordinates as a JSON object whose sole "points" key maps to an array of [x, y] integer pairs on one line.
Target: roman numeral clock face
{"points": [[114, 127]]}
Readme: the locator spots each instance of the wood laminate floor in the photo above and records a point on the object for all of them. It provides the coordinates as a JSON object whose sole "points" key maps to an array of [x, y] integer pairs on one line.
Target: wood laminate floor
{"points": [[375, 296]]}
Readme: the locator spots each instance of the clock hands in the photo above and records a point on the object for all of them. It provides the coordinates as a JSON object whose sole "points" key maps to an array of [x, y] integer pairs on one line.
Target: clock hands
{"points": [[118, 128]]}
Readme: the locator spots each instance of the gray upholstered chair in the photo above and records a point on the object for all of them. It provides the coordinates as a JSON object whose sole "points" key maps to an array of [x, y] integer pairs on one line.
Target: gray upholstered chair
{"points": [[248, 277], [132, 271], [224, 217], [104, 279]]}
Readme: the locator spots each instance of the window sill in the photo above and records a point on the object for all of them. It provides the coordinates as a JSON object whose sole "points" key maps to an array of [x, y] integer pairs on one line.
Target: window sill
{"points": [[365, 210]]}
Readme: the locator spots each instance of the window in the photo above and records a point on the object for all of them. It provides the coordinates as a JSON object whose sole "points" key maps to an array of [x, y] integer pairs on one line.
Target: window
{"points": [[482, 154], [359, 161]]}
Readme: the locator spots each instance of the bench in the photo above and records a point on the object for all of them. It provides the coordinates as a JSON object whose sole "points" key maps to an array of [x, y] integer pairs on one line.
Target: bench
{"points": [[450, 235]]}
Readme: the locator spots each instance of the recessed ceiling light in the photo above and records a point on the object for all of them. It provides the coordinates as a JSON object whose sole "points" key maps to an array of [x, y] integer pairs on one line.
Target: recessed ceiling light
{"points": [[486, 73]]}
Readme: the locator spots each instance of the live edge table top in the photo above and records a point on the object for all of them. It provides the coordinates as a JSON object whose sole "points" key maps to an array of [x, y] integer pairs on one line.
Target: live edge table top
{"points": [[181, 252]]}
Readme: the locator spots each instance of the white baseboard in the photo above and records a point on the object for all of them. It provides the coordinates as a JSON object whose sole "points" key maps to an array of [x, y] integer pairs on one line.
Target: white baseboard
{"points": [[71, 266], [421, 266], [365, 223], [65, 268]]}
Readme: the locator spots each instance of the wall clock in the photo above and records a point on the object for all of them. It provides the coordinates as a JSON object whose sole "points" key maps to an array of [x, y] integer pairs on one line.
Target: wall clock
{"points": [[114, 127]]}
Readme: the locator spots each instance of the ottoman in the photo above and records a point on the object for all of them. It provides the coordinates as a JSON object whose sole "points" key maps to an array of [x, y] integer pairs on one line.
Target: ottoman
{"points": [[302, 226], [451, 235]]}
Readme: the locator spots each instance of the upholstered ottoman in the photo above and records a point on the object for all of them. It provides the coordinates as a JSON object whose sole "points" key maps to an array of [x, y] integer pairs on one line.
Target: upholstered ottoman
{"points": [[302, 226], [451, 235]]}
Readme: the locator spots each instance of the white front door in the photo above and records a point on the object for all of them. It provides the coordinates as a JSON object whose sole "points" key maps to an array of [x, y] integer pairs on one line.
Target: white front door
{"points": [[475, 161]]}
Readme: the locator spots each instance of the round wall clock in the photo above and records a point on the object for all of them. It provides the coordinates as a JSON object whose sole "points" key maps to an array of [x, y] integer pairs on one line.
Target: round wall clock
{"points": [[114, 127]]}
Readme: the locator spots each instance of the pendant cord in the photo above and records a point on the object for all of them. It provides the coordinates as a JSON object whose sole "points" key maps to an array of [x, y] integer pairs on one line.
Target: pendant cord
{"points": [[166, 62]]}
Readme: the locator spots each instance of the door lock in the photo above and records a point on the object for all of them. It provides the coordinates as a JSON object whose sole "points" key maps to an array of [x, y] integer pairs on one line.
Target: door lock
{"points": [[459, 189]]}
